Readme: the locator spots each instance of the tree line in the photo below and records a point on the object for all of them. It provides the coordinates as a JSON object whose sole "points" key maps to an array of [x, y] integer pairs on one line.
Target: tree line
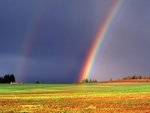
{"points": [[7, 78], [130, 77], [89, 81]]}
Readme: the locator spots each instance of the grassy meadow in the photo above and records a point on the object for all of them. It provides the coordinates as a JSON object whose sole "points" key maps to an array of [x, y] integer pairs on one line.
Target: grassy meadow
{"points": [[75, 98]]}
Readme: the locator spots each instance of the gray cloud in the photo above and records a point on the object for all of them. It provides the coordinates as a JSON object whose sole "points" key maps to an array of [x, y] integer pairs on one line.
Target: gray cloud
{"points": [[63, 32], [127, 51]]}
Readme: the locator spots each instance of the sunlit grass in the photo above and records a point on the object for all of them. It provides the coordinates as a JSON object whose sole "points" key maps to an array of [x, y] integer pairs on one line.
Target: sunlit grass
{"points": [[77, 98]]}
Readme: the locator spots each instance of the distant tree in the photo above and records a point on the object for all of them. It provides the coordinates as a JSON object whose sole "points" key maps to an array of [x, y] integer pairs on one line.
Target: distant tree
{"points": [[1, 80], [37, 82], [136, 77], [8, 78], [110, 79], [95, 81], [140, 77], [85, 81], [12, 78]]}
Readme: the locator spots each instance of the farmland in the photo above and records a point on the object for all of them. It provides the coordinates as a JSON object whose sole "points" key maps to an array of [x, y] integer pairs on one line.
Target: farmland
{"points": [[123, 97]]}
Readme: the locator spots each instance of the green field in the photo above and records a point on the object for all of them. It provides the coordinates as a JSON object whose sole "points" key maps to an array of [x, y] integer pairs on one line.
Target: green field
{"points": [[75, 98]]}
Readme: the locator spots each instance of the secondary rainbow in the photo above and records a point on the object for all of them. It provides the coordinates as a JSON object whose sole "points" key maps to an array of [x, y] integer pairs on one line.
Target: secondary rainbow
{"points": [[30, 39], [86, 71]]}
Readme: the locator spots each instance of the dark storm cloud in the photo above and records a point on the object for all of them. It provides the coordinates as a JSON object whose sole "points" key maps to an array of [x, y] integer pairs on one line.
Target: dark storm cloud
{"points": [[132, 31], [63, 33], [64, 24], [54, 70], [15, 17], [127, 51]]}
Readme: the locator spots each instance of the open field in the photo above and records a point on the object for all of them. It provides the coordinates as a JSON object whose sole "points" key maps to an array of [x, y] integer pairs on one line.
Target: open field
{"points": [[74, 98]]}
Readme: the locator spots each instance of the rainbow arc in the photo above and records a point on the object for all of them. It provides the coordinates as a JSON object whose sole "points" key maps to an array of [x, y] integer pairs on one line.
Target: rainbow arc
{"points": [[96, 46]]}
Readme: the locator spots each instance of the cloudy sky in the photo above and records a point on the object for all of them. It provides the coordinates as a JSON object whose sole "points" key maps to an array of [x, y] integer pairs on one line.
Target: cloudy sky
{"points": [[48, 40]]}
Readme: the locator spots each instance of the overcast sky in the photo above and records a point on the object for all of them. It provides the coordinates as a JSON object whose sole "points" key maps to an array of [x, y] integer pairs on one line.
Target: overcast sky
{"points": [[48, 40]]}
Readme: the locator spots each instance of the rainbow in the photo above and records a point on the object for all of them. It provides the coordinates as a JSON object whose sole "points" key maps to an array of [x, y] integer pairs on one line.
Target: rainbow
{"points": [[86, 71], [30, 39]]}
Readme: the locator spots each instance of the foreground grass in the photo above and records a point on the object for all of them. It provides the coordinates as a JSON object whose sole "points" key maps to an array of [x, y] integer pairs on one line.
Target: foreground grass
{"points": [[75, 98]]}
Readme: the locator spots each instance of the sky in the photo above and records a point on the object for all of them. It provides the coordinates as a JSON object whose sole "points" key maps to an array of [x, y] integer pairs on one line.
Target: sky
{"points": [[49, 40]]}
